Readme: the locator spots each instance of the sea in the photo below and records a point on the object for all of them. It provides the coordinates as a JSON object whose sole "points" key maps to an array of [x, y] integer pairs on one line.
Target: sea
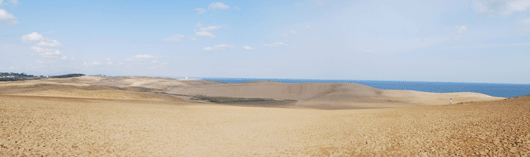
{"points": [[492, 89]]}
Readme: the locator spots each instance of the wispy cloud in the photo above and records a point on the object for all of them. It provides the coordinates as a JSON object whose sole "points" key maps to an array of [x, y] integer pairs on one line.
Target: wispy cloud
{"points": [[211, 28], [45, 47], [461, 29], [34, 36], [175, 38], [291, 32], [247, 47], [501, 7], [13, 3], [6, 17], [205, 34], [50, 43], [217, 5], [94, 63], [276, 44], [200, 10], [141, 57], [308, 27], [221, 47]]}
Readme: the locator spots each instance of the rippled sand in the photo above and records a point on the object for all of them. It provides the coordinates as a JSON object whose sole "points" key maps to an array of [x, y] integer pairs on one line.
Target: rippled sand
{"points": [[134, 125]]}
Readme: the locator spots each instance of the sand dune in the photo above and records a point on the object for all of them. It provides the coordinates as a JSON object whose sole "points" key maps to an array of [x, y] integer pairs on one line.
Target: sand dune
{"points": [[80, 126], [136, 116], [326, 95], [312, 95], [87, 91]]}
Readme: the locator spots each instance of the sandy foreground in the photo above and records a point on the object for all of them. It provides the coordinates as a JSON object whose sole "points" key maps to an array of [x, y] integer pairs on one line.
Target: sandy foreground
{"points": [[115, 122]]}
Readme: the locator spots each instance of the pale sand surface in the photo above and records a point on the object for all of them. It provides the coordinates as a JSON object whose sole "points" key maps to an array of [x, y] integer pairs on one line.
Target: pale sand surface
{"points": [[119, 117], [53, 126]]}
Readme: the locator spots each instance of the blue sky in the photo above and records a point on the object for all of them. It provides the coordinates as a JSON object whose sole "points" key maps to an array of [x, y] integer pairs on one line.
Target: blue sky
{"points": [[434, 40]]}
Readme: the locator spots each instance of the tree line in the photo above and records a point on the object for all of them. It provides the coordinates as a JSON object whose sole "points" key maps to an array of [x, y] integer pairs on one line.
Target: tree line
{"points": [[11, 76]]}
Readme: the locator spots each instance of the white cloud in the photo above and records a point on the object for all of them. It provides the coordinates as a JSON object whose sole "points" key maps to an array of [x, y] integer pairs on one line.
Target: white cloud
{"points": [[176, 37], [51, 54], [211, 28], [205, 34], [292, 31], [34, 36], [51, 43], [46, 52], [39, 49], [200, 10], [221, 47], [237, 8], [140, 58], [91, 63], [526, 24], [247, 47], [217, 5], [501, 7], [14, 2], [308, 27], [6, 17], [285, 35], [155, 61], [109, 63], [144, 57], [461, 29], [199, 24], [276, 44], [45, 47]]}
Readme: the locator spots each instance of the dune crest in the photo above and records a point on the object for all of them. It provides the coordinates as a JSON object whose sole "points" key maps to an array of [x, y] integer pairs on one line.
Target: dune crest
{"points": [[305, 95], [331, 95]]}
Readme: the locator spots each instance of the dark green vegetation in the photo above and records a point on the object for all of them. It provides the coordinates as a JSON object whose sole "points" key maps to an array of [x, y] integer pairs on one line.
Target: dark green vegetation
{"points": [[67, 75], [244, 101], [4, 76], [225, 100]]}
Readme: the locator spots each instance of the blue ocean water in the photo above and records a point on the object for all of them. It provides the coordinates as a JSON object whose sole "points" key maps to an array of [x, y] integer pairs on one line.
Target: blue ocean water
{"points": [[493, 89]]}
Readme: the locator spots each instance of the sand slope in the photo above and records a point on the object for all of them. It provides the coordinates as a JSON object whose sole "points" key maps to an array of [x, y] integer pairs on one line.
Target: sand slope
{"points": [[116, 117], [331, 95], [312, 95], [69, 126]]}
